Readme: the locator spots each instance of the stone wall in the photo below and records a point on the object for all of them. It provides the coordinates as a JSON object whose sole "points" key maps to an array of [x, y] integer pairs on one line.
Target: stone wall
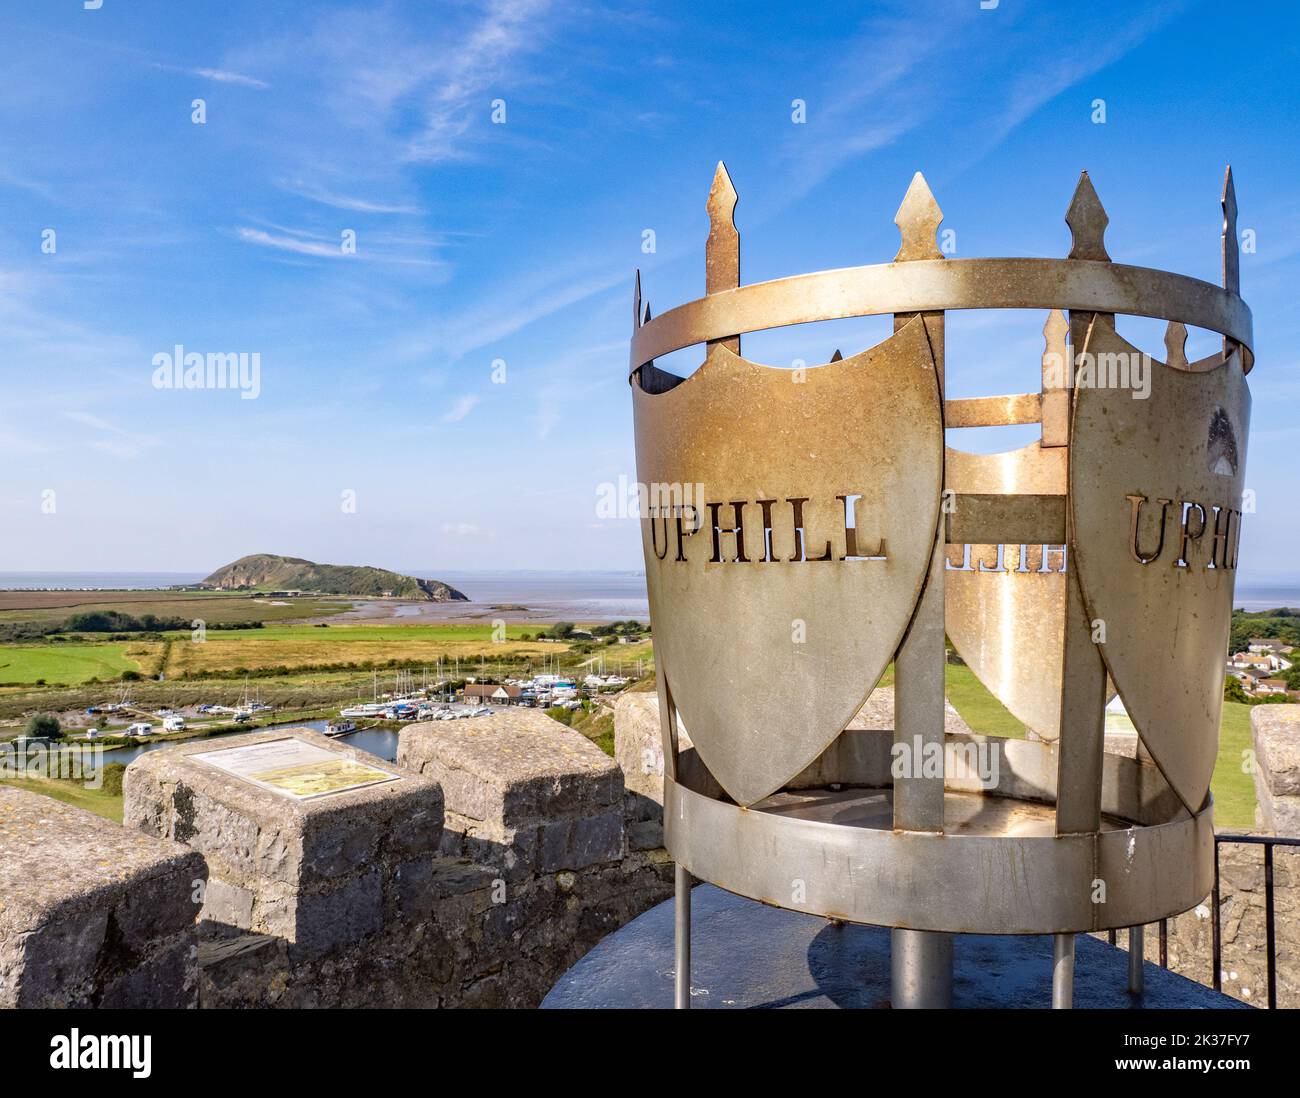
{"points": [[502, 850], [1244, 963], [91, 914], [1275, 731], [496, 858]]}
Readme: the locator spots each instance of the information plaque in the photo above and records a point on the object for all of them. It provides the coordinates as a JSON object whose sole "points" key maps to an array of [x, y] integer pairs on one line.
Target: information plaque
{"points": [[296, 769]]}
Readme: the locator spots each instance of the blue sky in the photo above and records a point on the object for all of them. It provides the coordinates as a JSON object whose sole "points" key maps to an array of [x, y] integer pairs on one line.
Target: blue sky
{"points": [[479, 241]]}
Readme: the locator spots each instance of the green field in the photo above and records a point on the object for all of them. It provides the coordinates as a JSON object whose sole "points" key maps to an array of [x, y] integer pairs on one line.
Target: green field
{"points": [[978, 708], [302, 666], [65, 664], [1232, 785], [98, 801], [311, 646], [291, 649]]}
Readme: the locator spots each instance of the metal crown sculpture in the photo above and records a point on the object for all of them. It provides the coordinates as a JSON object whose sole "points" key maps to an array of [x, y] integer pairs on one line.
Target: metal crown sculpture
{"points": [[807, 527]]}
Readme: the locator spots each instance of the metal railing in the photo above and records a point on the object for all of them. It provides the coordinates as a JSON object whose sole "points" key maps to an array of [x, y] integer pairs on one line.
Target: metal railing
{"points": [[1268, 842]]}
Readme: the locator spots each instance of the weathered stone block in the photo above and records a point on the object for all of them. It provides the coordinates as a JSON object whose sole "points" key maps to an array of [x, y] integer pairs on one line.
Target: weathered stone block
{"points": [[638, 744], [576, 844], [645, 835], [92, 913], [314, 871], [523, 792], [1275, 731]]}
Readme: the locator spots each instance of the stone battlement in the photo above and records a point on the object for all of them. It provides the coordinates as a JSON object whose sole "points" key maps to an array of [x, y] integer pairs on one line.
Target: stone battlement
{"points": [[474, 871], [283, 868], [93, 914]]}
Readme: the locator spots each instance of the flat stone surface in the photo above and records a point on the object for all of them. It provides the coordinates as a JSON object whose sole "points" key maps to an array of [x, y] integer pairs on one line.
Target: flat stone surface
{"points": [[252, 834], [513, 768], [746, 955], [51, 853]]}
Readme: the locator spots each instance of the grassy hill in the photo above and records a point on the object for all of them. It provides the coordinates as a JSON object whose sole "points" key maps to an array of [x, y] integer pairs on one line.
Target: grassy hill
{"points": [[269, 572]]}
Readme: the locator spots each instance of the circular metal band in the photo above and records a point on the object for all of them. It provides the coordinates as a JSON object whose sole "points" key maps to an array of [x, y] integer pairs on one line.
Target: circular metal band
{"points": [[935, 285], [977, 884]]}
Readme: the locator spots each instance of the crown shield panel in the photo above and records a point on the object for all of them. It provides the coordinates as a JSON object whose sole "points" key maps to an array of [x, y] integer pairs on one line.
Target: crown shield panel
{"points": [[818, 501], [1155, 495]]}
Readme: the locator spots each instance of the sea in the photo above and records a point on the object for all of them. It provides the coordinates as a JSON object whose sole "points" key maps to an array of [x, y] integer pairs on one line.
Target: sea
{"points": [[584, 596], [606, 595]]}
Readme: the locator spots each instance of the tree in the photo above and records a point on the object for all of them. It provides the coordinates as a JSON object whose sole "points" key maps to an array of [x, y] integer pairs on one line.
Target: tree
{"points": [[44, 726], [562, 629], [1233, 691]]}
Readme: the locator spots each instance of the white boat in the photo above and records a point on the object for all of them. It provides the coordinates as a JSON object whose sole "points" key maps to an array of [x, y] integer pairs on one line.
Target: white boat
{"points": [[340, 728]]}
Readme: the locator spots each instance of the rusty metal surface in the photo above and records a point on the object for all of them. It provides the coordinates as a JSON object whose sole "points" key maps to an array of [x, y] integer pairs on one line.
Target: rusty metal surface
{"points": [[1005, 519], [1166, 620], [1006, 619], [768, 658], [769, 637], [1007, 624], [1056, 397], [919, 701], [855, 868], [993, 411], [1034, 470], [931, 285], [722, 249]]}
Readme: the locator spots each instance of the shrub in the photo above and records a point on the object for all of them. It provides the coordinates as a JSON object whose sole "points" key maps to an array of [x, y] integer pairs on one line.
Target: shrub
{"points": [[112, 779], [44, 725]]}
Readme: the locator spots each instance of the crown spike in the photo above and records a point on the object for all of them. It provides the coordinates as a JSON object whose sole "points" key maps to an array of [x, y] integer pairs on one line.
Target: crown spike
{"points": [[636, 301], [1176, 344], [722, 252], [1231, 254], [1055, 331], [837, 357], [918, 221], [647, 313], [1087, 220], [1056, 393]]}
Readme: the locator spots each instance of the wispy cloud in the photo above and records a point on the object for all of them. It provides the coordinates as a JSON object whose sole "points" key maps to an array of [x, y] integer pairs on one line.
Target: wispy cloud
{"points": [[346, 202], [480, 62], [899, 73], [224, 77], [506, 310], [221, 76], [369, 247], [290, 243], [460, 529], [118, 443], [461, 408]]}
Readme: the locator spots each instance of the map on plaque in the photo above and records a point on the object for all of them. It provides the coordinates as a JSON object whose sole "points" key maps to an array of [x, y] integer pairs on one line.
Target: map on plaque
{"points": [[297, 769]]}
